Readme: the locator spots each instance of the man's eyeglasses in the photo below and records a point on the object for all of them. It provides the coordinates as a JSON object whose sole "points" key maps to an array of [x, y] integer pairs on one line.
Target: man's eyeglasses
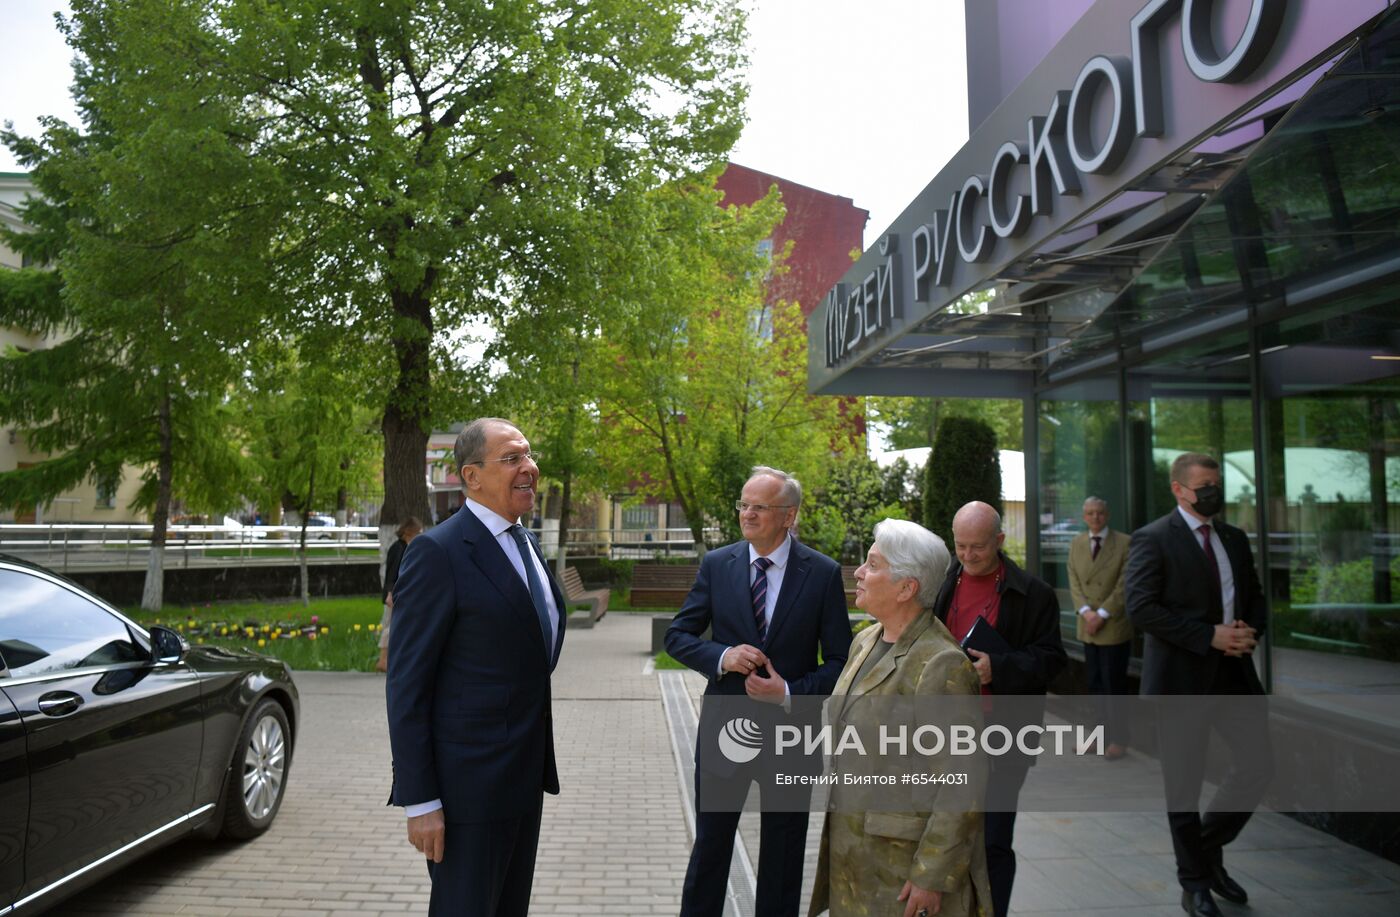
{"points": [[513, 460], [743, 507]]}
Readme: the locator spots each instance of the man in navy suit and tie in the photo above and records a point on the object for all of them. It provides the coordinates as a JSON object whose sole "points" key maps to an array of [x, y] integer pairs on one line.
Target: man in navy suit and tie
{"points": [[1191, 587], [478, 624], [771, 602]]}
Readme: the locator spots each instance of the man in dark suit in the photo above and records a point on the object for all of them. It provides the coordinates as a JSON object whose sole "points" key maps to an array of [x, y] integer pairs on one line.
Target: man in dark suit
{"points": [[1192, 588], [1023, 610], [478, 624], [771, 602]]}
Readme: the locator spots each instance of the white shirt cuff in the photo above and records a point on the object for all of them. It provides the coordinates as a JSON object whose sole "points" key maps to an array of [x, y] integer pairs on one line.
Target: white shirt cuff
{"points": [[787, 698], [720, 670], [1103, 614], [422, 808], [1085, 610]]}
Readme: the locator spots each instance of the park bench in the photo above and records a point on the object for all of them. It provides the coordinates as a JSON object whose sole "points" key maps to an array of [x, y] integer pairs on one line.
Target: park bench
{"points": [[848, 582], [575, 594], [666, 585], [662, 585]]}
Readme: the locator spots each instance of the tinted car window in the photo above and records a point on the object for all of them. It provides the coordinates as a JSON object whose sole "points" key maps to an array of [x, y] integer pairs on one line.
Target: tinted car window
{"points": [[46, 628]]}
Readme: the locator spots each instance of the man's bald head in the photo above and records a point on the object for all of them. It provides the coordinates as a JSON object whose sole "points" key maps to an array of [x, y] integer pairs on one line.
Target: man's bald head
{"points": [[978, 518], [977, 537]]}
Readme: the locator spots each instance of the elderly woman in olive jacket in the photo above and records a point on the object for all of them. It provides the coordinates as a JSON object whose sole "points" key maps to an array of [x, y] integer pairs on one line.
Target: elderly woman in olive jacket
{"points": [[929, 858]]}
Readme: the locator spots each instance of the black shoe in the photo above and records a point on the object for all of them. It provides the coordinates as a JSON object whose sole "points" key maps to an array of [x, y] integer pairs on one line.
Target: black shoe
{"points": [[1226, 887], [1200, 904]]}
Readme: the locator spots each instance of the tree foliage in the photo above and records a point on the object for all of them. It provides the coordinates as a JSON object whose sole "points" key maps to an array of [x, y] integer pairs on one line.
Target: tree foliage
{"points": [[152, 223], [964, 466], [441, 156], [853, 495], [305, 435], [903, 486], [703, 377], [913, 422]]}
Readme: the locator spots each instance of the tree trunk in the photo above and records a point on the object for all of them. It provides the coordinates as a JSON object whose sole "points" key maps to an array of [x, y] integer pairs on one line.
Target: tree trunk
{"points": [[567, 481], [153, 592], [342, 499], [566, 486], [406, 416], [301, 545]]}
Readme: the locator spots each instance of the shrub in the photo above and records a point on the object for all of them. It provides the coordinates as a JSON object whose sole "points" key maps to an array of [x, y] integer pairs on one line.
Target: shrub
{"points": [[963, 466]]}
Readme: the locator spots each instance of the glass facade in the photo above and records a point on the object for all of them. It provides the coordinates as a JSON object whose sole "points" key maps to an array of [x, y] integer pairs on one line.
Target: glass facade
{"points": [[1331, 408], [1266, 332]]}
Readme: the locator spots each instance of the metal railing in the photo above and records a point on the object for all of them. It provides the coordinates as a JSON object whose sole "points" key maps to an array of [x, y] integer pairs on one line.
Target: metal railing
{"points": [[623, 544], [70, 546]]}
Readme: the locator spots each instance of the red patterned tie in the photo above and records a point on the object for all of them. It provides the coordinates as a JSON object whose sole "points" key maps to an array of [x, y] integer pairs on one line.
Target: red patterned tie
{"points": [[759, 591], [1210, 552], [1214, 564]]}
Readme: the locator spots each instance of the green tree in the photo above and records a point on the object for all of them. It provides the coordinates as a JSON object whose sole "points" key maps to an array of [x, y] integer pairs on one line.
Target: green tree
{"points": [[551, 389], [305, 436], [728, 472], [151, 226], [903, 485], [913, 422], [702, 376], [854, 492], [441, 154], [964, 466]]}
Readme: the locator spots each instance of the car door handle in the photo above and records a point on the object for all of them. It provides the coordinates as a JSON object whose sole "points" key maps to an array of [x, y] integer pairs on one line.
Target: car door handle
{"points": [[59, 703]]}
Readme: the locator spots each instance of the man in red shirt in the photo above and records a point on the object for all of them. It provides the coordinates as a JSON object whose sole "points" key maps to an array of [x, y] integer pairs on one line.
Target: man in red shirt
{"points": [[1024, 611]]}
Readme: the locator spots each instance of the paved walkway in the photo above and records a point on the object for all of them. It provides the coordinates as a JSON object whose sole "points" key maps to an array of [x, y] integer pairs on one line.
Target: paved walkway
{"points": [[616, 841]]}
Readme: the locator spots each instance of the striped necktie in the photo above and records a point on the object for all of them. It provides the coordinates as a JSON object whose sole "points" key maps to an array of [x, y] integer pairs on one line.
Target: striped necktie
{"points": [[759, 591]]}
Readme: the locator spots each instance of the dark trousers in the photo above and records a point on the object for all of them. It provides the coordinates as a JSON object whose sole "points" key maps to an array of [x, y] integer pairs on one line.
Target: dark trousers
{"points": [[1183, 732], [1003, 784], [487, 868], [782, 842], [1107, 671]]}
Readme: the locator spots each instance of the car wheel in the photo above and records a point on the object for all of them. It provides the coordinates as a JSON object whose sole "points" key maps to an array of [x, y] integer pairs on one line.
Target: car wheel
{"points": [[257, 778]]}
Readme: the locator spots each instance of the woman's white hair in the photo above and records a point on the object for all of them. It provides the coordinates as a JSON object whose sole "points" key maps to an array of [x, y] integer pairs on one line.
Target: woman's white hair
{"points": [[913, 552]]}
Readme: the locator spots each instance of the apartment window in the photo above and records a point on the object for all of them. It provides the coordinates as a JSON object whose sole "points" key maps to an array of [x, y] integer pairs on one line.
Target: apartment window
{"points": [[107, 493]]}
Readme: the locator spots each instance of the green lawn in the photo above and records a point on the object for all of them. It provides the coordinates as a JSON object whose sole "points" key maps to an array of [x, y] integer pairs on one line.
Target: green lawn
{"points": [[333, 634], [664, 660]]}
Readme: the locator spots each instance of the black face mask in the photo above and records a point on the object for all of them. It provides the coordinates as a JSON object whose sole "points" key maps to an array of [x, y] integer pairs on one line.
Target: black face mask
{"points": [[1209, 500]]}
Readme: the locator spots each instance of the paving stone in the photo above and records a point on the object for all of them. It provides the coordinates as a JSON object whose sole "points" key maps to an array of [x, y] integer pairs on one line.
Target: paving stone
{"points": [[615, 842]]}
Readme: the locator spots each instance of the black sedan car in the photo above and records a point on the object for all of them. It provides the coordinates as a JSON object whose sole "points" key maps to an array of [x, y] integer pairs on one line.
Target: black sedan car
{"points": [[116, 739]]}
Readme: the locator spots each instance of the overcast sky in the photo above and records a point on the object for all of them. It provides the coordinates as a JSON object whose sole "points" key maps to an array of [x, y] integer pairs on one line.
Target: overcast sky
{"points": [[862, 98]]}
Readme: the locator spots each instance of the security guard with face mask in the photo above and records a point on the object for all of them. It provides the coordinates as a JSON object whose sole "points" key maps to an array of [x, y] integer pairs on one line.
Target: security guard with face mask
{"points": [[1192, 589]]}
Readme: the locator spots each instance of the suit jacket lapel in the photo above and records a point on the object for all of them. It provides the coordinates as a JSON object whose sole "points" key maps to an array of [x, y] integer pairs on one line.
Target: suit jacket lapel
{"points": [[844, 685], [1191, 541], [561, 610], [485, 552], [1108, 549], [885, 668], [798, 565], [741, 588]]}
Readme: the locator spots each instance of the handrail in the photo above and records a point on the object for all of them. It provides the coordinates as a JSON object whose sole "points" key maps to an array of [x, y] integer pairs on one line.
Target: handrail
{"points": [[126, 545]]}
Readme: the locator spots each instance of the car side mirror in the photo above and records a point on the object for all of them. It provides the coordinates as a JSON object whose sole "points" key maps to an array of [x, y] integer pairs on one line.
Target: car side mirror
{"points": [[167, 645]]}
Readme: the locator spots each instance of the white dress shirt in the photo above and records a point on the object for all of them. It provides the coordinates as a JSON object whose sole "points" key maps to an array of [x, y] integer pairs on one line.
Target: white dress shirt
{"points": [[499, 527], [1100, 536], [779, 557], [1222, 560]]}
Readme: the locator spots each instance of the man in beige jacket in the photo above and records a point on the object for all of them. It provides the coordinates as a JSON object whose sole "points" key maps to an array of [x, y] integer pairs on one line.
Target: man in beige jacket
{"points": [[1096, 562]]}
